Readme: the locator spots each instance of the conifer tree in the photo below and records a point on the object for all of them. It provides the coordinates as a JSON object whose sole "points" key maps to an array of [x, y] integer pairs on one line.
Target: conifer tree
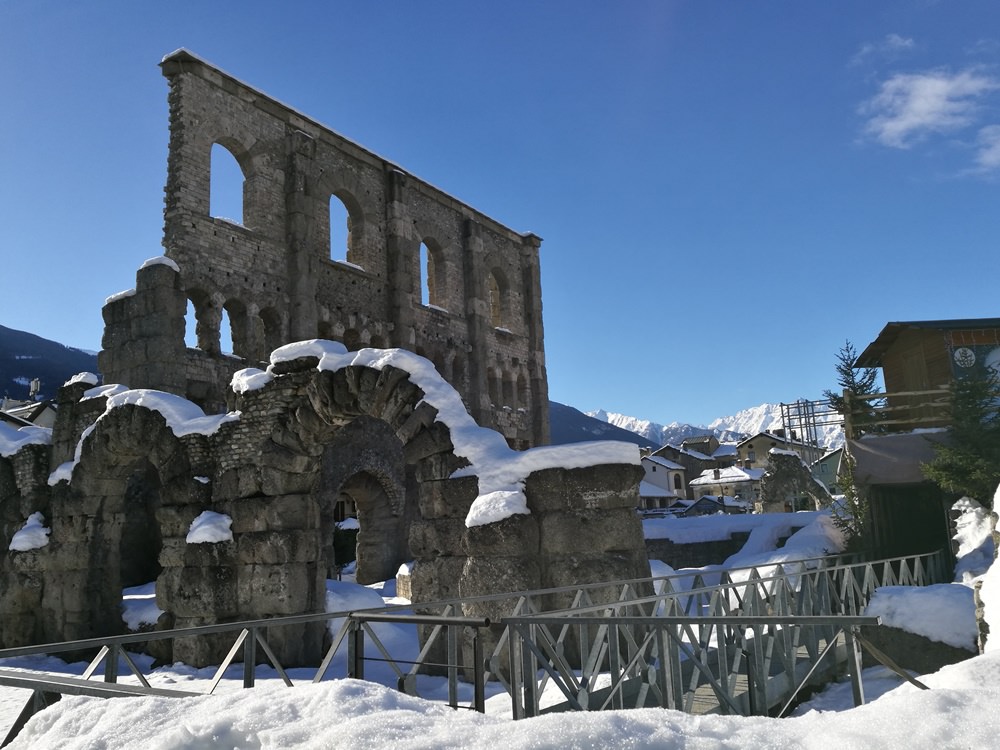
{"points": [[969, 464], [860, 383]]}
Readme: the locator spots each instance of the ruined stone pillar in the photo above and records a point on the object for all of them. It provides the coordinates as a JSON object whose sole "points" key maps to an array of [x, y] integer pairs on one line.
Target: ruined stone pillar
{"points": [[532, 294], [400, 259], [300, 220], [478, 322]]}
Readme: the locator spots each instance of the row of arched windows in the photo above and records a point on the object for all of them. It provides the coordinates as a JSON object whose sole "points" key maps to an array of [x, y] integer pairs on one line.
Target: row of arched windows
{"points": [[226, 201]]}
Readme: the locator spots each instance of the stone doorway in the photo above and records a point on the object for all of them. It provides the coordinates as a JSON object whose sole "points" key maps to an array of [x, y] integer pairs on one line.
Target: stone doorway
{"points": [[380, 544]]}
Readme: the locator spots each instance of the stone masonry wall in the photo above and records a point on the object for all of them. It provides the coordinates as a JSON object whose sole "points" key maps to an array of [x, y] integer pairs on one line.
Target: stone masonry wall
{"points": [[278, 280], [299, 442]]}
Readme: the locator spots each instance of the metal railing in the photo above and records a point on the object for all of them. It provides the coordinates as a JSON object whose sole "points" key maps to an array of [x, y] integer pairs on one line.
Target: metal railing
{"points": [[249, 636], [733, 665], [738, 646], [472, 651]]}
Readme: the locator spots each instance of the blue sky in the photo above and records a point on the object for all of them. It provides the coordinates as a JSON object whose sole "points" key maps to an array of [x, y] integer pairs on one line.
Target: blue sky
{"points": [[727, 191]]}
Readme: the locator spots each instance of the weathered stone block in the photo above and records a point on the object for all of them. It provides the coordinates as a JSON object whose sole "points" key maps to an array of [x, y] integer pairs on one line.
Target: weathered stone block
{"points": [[436, 579], [440, 537], [516, 536], [277, 547], [591, 531], [595, 487], [447, 498], [286, 589], [204, 592]]}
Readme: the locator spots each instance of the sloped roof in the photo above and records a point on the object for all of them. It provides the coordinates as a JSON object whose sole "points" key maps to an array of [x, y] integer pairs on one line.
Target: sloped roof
{"points": [[648, 489], [664, 462], [873, 353], [728, 474]]}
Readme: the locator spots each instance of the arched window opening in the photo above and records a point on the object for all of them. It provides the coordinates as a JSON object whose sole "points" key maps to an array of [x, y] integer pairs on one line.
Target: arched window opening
{"points": [[324, 330], [365, 546], [225, 333], [677, 482], [428, 290], [496, 291], [340, 230], [201, 322], [140, 542], [226, 186], [191, 326]]}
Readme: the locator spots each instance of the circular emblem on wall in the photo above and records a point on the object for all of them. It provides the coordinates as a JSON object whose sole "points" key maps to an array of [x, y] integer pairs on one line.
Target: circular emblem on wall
{"points": [[965, 357]]}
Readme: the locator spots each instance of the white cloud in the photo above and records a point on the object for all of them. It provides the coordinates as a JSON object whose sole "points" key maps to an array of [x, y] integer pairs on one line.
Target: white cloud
{"points": [[891, 47], [911, 106], [988, 154]]}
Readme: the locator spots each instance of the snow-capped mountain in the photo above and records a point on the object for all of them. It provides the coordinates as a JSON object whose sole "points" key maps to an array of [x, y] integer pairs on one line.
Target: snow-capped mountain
{"points": [[743, 424]]}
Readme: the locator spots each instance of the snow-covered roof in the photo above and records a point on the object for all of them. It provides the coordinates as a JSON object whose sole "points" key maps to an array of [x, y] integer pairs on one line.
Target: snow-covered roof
{"points": [[664, 462], [648, 489], [728, 474], [725, 450]]}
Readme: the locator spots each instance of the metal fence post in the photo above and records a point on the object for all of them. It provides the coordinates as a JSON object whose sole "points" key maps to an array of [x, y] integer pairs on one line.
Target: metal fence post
{"points": [[111, 663], [355, 649], [854, 664], [478, 672], [249, 658]]}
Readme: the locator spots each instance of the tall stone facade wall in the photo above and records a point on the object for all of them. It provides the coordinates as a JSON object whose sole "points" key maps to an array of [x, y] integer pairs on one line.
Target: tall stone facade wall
{"points": [[278, 280], [277, 469]]}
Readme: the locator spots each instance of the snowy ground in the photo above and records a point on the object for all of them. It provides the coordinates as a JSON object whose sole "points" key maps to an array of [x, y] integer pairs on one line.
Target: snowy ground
{"points": [[957, 712]]}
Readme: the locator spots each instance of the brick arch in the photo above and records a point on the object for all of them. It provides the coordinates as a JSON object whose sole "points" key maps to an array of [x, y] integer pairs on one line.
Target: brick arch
{"points": [[132, 471]]}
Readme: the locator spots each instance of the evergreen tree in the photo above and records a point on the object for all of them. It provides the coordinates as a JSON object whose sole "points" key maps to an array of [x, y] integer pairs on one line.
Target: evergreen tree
{"points": [[970, 463], [852, 514], [860, 383]]}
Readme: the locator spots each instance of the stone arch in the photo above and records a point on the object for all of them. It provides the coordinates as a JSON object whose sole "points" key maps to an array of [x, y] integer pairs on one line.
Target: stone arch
{"points": [[362, 467], [131, 468]]}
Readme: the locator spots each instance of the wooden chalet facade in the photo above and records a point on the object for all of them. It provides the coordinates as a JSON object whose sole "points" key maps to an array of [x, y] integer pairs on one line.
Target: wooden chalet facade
{"points": [[919, 361]]}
